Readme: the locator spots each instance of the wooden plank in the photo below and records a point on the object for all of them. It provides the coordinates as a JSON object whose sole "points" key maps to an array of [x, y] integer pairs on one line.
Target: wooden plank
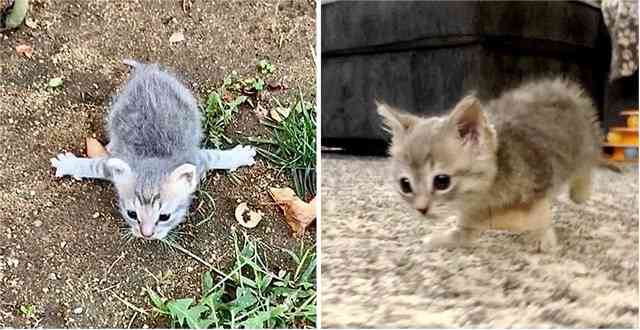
{"points": [[619, 145], [624, 160], [623, 129]]}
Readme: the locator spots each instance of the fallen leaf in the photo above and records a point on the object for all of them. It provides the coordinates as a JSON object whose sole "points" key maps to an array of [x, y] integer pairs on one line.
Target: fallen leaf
{"points": [[254, 217], [31, 23], [95, 149], [298, 214], [176, 37], [280, 113], [277, 87], [55, 82], [25, 50]]}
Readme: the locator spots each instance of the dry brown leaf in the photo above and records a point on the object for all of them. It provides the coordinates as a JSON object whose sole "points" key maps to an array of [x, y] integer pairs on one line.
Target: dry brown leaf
{"points": [[280, 113], [298, 214], [95, 149], [254, 217], [25, 50], [176, 37]]}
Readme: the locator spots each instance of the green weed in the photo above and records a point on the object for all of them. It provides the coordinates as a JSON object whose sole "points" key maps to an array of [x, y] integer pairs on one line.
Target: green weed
{"points": [[250, 296], [293, 143]]}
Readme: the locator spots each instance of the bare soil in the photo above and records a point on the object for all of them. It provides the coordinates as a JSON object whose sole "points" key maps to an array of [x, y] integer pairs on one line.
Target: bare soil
{"points": [[60, 246]]}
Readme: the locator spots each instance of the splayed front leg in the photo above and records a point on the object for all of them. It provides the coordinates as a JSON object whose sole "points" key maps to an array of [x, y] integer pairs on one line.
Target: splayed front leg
{"points": [[228, 159], [69, 164]]}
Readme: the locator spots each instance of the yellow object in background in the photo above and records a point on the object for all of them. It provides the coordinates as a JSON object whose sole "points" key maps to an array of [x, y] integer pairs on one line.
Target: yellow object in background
{"points": [[630, 138], [632, 121], [614, 137]]}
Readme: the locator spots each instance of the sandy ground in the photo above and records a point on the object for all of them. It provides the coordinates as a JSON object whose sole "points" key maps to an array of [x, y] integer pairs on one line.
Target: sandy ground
{"points": [[376, 274], [60, 248]]}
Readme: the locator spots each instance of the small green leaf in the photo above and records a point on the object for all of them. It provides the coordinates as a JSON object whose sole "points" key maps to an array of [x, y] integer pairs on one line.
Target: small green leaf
{"points": [[257, 321], [157, 301], [17, 14], [27, 311], [244, 299], [55, 82], [207, 283], [264, 67], [181, 311]]}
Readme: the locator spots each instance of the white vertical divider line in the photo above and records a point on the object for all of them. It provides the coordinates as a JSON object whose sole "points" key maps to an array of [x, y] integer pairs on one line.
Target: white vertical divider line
{"points": [[318, 66]]}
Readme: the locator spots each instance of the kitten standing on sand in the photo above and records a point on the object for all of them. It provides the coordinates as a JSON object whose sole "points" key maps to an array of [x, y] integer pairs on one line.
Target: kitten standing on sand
{"points": [[499, 164]]}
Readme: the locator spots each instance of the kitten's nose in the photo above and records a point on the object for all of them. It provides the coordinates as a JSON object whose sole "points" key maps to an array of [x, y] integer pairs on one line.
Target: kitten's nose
{"points": [[424, 210]]}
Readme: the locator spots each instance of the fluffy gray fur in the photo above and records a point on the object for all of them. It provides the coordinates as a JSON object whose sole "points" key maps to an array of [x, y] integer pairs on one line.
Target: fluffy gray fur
{"points": [[505, 158], [155, 161]]}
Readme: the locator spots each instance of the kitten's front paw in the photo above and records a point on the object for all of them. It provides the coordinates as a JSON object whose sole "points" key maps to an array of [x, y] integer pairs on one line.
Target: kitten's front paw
{"points": [[242, 156], [459, 237], [65, 164]]}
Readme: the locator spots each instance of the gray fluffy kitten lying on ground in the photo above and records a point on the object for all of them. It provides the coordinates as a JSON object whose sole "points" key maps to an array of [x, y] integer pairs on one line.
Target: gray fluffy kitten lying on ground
{"points": [[497, 164], [155, 161]]}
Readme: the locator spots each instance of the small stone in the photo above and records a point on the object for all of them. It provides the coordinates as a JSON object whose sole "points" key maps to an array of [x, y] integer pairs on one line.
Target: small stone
{"points": [[37, 223], [32, 193], [96, 215], [52, 276], [45, 290], [144, 326], [189, 269], [77, 310]]}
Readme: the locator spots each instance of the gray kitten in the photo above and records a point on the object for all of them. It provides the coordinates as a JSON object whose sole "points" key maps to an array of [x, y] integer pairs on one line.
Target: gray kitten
{"points": [[155, 161], [497, 165]]}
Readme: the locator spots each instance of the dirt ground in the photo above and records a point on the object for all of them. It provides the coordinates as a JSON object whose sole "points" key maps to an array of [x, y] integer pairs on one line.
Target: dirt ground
{"points": [[60, 246], [375, 272]]}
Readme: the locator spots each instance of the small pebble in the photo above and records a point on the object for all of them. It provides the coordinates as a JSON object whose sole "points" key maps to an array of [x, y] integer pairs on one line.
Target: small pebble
{"points": [[96, 215], [37, 223], [32, 193], [52, 276], [77, 310]]}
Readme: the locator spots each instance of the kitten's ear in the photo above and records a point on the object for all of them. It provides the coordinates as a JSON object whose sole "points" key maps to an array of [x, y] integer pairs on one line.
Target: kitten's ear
{"points": [[396, 121], [118, 169], [183, 179], [468, 119]]}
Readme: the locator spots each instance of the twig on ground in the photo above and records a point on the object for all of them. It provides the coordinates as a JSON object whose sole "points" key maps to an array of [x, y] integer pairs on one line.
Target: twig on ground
{"points": [[135, 314], [130, 305]]}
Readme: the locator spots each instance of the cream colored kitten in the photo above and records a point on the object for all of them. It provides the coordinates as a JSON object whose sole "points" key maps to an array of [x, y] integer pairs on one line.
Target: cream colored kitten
{"points": [[497, 164]]}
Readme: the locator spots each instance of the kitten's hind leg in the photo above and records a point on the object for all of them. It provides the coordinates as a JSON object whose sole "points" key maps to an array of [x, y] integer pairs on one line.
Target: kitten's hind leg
{"points": [[458, 237], [68, 164], [228, 159], [580, 186]]}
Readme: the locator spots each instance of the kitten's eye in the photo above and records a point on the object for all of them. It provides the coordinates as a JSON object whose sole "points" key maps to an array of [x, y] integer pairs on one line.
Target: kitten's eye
{"points": [[132, 214], [164, 217], [405, 185], [441, 182]]}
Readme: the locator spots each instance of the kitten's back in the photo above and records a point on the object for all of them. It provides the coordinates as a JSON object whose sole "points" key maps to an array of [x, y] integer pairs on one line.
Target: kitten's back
{"points": [[547, 131], [155, 115]]}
